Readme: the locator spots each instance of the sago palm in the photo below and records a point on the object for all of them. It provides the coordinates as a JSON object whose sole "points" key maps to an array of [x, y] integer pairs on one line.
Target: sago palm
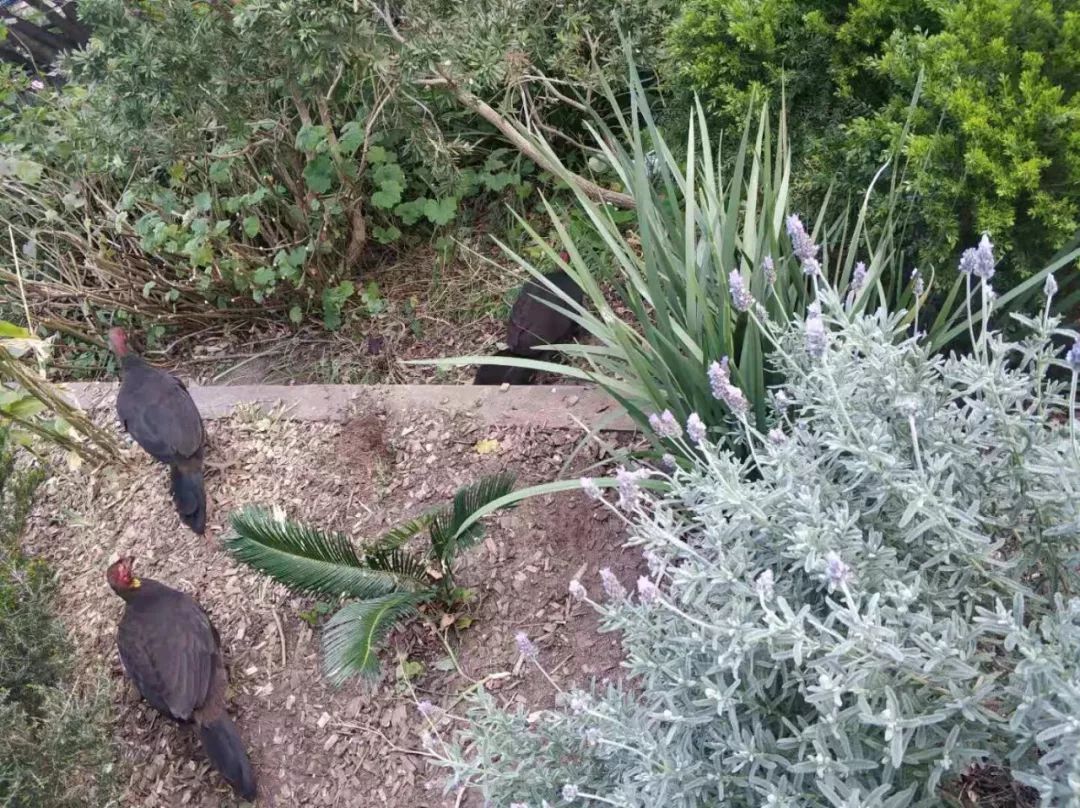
{"points": [[385, 580]]}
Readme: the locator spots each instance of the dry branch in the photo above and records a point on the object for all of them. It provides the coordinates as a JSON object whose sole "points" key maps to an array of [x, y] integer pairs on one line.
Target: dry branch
{"points": [[505, 127]]}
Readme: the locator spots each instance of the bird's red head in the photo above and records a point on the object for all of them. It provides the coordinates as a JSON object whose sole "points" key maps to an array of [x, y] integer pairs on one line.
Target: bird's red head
{"points": [[121, 576], [118, 341], [565, 256]]}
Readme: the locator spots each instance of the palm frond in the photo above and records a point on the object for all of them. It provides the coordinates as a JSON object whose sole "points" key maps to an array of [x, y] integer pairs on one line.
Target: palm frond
{"points": [[305, 558], [400, 535], [398, 562], [447, 538], [352, 636]]}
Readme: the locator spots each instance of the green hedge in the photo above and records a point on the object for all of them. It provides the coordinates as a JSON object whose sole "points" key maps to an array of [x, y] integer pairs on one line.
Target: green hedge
{"points": [[995, 143], [55, 750]]}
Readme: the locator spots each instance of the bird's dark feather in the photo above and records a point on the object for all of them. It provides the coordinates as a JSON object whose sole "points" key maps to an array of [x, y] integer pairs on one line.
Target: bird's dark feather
{"points": [[169, 649]]}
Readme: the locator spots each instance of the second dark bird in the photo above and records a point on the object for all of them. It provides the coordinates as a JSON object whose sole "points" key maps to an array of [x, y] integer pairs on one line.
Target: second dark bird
{"points": [[172, 652], [157, 411], [534, 323]]}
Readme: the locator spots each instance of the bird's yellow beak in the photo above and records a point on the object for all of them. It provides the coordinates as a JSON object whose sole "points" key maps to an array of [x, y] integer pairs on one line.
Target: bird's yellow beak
{"points": [[135, 583]]}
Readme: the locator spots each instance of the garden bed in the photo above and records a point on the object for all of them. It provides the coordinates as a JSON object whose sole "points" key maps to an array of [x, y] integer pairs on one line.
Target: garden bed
{"points": [[311, 744]]}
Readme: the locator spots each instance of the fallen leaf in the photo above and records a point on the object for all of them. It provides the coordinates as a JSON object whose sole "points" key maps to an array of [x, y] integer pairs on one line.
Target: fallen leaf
{"points": [[487, 446]]}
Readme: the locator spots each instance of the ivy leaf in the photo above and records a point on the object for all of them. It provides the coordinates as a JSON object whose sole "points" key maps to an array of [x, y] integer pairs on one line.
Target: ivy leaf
{"points": [[440, 212], [386, 235], [333, 299], [389, 172], [500, 181], [319, 174], [377, 154], [220, 172], [296, 315], [310, 138], [202, 201], [352, 137], [388, 195], [251, 226], [264, 276], [410, 212]]}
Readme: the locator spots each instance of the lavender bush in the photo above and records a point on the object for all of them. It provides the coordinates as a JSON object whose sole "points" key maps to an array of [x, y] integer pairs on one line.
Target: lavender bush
{"points": [[873, 602]]}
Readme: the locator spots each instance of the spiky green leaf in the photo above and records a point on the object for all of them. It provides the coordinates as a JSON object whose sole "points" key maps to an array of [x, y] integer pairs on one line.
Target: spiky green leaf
{"points": [[400, 535], [307, 559], [447, 537], [352, 637]]}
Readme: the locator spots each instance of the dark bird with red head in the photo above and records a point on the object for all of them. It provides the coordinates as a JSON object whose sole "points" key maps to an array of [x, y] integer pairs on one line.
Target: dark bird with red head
{"points": [[157, 411], [533, 323], [172, 652]]}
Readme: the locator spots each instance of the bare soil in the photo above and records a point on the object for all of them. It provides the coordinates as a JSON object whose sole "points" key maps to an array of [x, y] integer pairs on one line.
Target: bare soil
{"points": [[311, 744]]}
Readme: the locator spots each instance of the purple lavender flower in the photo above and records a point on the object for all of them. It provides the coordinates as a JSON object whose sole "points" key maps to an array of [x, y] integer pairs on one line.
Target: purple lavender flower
{"points": [[801, 242], [612, 587], [763, 585], [647, 590], [591, 489], [665, 425], [781, 401], [837, 573], [653, 560], [979, 261], [525, 646], [917, 281], [695, 428], [629, 486], [770, 269], [718, 377], [858, 277], [1050, 288], [579, 703], [776, 436], [425, 708], [668, 463], [569, 792], [1073, 357], [811, 267], [577, 591], [741, 299], [724, 390], [817, 338]]}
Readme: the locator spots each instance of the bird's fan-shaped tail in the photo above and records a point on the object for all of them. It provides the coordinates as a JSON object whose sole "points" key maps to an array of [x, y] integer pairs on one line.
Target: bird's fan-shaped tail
{"points": [[226, 752], [188, 493]]}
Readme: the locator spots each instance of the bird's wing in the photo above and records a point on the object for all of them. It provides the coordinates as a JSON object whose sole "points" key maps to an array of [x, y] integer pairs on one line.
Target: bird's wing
{"points": [[157, 411], [168, 648]]}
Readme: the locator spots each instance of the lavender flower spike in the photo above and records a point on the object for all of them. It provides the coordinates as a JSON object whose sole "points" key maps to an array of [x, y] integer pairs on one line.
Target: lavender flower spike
{"points": [[804, 246], [591, 489], [817, 338], [1073, 357], [695, 428], [525, 646], [665, 425], [979, 261], [612, 587], [647, 590], [1050, 288], [770, 269], [741, 299]]}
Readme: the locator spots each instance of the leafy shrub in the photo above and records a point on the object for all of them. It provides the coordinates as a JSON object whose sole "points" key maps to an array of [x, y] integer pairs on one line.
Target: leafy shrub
{"points": [[388, 581], [857, 614], [668, 293], [258, 149], [54, 738], [992, 146]]}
